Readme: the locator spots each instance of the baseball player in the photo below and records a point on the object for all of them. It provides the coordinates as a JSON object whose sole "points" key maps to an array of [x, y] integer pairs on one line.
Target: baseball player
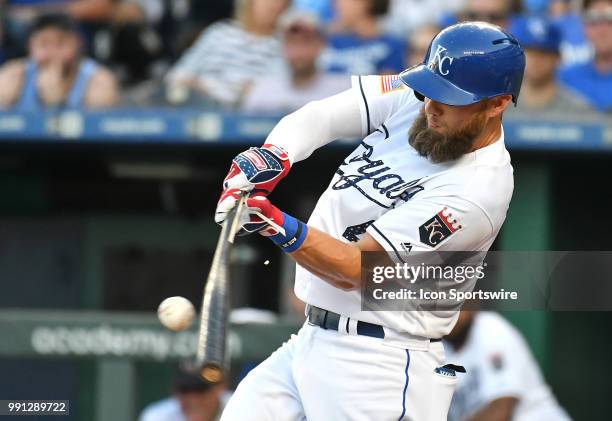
{"points": [[431, 173], [503, 380]]}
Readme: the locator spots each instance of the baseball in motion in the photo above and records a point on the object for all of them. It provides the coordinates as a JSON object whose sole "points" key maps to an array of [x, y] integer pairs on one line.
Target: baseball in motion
{"points": [[176, 313]]}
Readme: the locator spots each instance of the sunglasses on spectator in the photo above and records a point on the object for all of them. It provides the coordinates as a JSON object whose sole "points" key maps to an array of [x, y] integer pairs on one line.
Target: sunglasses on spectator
{"points": [[593, 17], [486, 17]]}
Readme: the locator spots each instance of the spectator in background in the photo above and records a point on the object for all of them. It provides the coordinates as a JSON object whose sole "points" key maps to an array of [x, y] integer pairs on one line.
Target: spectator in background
{"points": [[497, 12], [324, 9], [356, 42], [145, 37], [302, 82], [418, 44], [21, 13], [540, 91], [55, 74], [132, 44], [407, 16], [229, 55], [593, 80], [502, 380], [192, 400], [201, 13], [574, 47]]}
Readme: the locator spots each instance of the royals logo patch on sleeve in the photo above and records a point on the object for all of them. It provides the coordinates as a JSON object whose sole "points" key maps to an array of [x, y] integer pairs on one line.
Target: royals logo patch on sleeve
{"points": [[390, 83], [439, 228]]}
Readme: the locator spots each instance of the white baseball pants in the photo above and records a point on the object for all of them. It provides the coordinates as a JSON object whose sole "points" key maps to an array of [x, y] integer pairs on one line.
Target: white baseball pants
{"points": [[323, 375]]}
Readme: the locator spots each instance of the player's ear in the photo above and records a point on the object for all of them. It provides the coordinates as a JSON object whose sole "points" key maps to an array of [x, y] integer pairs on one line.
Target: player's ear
{"points": [[497, 105]]}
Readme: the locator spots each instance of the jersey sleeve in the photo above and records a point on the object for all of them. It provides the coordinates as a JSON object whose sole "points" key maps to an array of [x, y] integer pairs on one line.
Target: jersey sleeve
{"points": [[316, 124], [446, 223], [381, 96]]}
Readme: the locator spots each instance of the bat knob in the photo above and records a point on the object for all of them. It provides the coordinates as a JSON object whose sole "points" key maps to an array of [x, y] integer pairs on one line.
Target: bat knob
{"points": [[212, 374]]}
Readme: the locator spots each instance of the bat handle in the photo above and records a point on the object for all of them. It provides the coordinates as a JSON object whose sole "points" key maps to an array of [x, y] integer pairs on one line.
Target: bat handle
{"points": [[270, 222], [236, 221]]}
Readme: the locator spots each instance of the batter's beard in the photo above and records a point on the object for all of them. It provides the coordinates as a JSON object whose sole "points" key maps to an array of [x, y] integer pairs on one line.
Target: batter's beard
{"points": [[440, 147]]}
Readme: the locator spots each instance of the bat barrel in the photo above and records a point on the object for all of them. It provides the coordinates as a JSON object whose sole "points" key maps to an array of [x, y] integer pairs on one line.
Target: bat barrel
{"points": [[211, 361]]}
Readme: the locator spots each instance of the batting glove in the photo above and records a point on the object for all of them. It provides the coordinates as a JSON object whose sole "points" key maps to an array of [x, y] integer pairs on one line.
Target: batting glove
{"points": [[256, 170], [263, 217]]}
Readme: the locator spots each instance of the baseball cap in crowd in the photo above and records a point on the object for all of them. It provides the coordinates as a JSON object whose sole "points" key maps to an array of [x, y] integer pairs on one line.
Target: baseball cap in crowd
{"points": [[536, 32], [297, 20]]}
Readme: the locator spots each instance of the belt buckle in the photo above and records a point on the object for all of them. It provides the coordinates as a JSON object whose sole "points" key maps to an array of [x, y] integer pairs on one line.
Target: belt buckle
{"points": [[314, 317]]}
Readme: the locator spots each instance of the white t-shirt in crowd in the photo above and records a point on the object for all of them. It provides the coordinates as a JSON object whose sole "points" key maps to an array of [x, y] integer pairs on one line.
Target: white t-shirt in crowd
{"points": [[278, 94], [407, 16], [225, 59]]}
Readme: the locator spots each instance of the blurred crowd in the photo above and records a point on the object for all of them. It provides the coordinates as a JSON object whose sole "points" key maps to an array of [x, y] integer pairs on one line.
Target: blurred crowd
{"points": [[273, 56]]}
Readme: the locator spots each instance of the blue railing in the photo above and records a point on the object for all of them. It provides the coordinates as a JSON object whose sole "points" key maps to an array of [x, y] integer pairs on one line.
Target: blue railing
{"points": [[192, 126]]}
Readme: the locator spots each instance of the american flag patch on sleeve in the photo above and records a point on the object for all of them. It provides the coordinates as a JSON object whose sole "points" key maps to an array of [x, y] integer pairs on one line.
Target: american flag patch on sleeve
{"points": [[390, 83]]}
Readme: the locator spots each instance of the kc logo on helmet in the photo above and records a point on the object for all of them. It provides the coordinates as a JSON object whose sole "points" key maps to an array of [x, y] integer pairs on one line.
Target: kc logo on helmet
{"points": [[438, 228], [440, 61]]}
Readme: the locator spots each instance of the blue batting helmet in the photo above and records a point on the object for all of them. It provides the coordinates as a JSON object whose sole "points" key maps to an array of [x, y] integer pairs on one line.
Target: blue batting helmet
{"points": [[466, 63]]}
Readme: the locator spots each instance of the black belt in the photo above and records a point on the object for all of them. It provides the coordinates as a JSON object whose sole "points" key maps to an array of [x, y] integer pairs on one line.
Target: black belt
{"points": [[329, 320]]}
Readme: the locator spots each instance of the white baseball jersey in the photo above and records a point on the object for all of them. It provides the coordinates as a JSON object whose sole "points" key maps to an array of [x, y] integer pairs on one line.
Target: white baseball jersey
{"points": [[406, 202], [500, 365]]}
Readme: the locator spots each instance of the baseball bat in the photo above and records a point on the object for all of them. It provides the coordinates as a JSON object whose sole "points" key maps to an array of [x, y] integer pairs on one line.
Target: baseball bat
{"points": [[211, 362]]}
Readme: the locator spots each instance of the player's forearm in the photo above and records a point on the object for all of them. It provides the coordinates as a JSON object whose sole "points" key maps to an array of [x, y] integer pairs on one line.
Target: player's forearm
{"points": [[335, 262], [317, 124]]}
